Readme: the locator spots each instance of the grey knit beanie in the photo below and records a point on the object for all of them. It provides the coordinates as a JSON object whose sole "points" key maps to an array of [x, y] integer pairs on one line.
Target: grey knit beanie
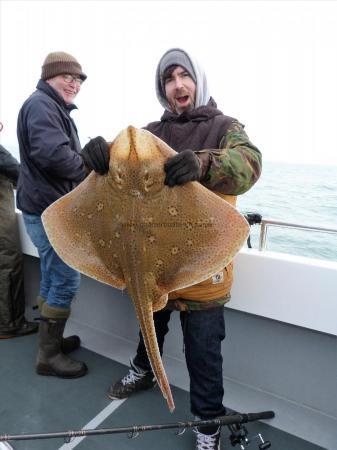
{"points": [[57, 63]]}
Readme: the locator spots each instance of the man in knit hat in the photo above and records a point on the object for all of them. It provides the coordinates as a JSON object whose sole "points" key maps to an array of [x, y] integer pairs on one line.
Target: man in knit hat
{"points": [[51, 166], [214, 150]]}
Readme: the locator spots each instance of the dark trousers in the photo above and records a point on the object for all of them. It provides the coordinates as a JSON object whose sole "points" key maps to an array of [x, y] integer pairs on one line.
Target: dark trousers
{"points": [[203, 332], [12, 295]]}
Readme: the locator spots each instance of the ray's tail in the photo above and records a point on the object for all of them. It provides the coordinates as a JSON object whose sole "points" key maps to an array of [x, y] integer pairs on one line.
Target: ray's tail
{"points": [[145, 317]]}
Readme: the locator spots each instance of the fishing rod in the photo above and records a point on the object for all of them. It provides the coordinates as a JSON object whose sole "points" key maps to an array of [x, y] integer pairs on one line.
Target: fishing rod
{"points": [[133, 431]]}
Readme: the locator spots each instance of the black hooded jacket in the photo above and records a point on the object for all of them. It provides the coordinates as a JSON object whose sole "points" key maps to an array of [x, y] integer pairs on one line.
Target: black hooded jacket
{"points": [[51, 164]]}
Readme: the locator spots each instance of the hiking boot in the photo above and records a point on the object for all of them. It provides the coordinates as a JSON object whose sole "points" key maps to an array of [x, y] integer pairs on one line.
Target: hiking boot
{"points": [[25, 328], [135, 380], [207, 441]]}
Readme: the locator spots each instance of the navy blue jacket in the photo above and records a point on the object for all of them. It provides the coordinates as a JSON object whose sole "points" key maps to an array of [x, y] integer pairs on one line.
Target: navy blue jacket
{"points": [[51, 164]]}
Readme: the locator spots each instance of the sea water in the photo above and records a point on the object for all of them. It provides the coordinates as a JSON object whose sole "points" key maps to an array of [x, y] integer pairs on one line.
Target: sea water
{"points": [[299, 194]]}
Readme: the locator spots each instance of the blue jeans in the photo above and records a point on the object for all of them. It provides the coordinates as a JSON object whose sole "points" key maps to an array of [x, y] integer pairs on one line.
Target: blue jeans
{"points": [[203, 333], [59, 282]]}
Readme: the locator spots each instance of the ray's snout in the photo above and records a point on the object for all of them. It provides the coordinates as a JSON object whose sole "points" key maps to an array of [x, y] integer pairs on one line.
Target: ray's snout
{"points": [[138, 146]]}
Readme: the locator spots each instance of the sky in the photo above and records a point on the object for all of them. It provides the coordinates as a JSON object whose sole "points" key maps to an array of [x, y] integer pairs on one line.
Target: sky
{"points": [[270, 64]]}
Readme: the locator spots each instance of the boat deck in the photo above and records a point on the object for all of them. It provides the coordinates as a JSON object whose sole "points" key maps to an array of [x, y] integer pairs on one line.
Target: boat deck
{"points": [[31, 404]]}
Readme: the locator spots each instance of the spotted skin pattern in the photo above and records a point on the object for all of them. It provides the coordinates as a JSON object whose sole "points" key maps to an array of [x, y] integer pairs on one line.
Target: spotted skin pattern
{"points": [[129, 230]]}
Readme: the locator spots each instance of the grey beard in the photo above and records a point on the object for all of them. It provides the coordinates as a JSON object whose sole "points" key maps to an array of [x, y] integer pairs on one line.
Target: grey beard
{"points": [[191, 106]]}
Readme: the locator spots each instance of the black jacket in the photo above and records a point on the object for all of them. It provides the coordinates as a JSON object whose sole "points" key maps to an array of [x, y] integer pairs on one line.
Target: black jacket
{"points": [[51, 164]]}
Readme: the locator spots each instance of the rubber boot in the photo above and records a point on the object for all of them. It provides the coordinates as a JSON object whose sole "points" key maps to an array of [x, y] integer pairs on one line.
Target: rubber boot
{"points": [[50, 359], [68, 344]]}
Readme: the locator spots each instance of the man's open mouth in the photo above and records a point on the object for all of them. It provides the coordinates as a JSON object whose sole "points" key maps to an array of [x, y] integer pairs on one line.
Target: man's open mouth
{"points": [[182, 99]]}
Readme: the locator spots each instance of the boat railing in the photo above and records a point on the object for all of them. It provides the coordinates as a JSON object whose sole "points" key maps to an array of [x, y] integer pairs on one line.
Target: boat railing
{"points": [[266, 223]]}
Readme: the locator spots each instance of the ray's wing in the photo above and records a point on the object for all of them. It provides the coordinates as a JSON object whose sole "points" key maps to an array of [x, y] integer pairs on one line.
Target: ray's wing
{"points": [[82, 227], [192, 234]]}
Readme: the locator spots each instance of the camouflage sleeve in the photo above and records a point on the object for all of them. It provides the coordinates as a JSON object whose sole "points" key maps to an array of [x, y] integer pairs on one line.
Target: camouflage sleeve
{"points": [[235, 166]]}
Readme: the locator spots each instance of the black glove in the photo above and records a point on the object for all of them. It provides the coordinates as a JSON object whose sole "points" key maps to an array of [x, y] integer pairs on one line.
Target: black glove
{"points": [[182, 168], [96, 155]]}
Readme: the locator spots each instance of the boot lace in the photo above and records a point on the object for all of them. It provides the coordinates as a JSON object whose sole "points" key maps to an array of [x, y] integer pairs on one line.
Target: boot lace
{"points": [[131, 377], [205, 441]]}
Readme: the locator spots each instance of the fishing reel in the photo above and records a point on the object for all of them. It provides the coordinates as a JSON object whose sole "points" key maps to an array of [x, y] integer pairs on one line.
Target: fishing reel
{"points": [[253, 219], [239, 436]]}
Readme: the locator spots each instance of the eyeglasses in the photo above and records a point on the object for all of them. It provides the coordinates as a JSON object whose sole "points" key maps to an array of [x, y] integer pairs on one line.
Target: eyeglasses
{"points": [[70, 78]]}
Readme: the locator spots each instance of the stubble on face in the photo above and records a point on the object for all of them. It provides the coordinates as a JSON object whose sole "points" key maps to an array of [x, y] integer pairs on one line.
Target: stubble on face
{"points": [[183, 101], [180, 90]]}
